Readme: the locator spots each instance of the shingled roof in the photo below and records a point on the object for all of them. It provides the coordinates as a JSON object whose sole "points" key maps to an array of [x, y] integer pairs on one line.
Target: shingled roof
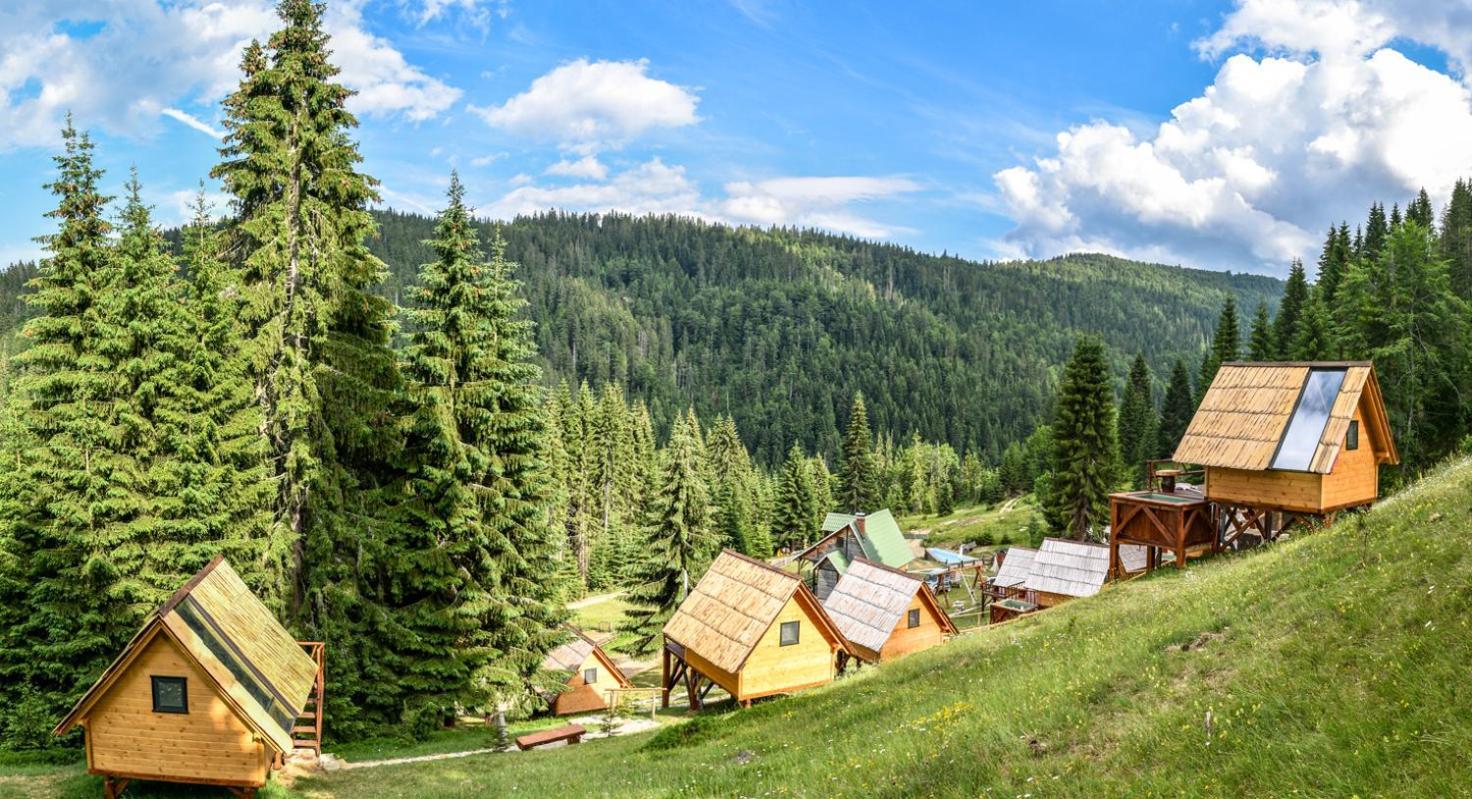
{"points": [[1016, 567], [570, 656], [1069, 568], [1253, 412], [870, 600], [254, 663], [736, 601]]}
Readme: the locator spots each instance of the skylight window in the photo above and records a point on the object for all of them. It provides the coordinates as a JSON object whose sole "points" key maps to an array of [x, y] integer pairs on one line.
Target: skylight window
{"points": [[1301, 439]]}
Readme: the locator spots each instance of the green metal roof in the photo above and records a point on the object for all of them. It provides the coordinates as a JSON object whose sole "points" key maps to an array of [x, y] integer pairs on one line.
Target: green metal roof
{"points": [[840, 561], [882, 541]]}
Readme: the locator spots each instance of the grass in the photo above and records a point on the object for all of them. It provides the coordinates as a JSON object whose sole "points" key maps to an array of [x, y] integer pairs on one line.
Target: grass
{"points": [[989, 527], [604, 617], [1332, 665]]}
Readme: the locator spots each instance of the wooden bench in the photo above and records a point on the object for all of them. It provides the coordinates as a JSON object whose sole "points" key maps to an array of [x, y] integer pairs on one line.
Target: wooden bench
{"points": [[572, 733]]}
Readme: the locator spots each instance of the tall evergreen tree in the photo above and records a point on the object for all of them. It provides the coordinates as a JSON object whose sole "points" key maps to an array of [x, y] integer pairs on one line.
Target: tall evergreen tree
{"points": [[797, 504], [1377, 229], [1260, 341], [1138, 422], [1315, 339], [859, 484], [315, 339], [1226, 344], [1456, 238], [1085, 449], [1420, 212], [681, 539], [1177, 409], [1290, 310], [1334, 261]]}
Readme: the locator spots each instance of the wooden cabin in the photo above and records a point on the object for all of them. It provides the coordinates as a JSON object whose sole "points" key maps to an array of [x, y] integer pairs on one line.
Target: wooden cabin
{"points": [[875, 537], [1062, 570], [1295, 438], [885, 613], [590, 674], [754, 630], [1011, 577], [208, 692]]}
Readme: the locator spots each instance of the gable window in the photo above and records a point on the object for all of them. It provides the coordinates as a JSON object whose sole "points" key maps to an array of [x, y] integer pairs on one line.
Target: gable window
{"points": [[590, 676], [1352, 438], [789, 633], [170, 695], [914, 617]]}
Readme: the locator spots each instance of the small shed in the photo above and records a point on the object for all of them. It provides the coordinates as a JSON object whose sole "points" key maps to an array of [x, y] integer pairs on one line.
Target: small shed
{"points": [[1062, 570], [1301, 438], [885, 613], [207, 692], [590, 674], [754, 630], [875, 537]]}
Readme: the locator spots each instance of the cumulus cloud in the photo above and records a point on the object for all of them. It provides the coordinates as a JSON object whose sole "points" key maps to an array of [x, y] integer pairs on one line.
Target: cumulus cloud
{"points": [[586, 167], [587, 106], [811, 202], [1251, 173], [130, 62], [652, 187]]}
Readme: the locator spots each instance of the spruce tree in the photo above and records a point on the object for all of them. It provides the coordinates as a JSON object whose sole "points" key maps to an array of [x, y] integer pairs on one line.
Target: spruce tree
{"points": [[1085, 449], [796, 503], [1456, 238], [1420, 212], [315, 339], [1177, 409], [859, 487], [1290, 310], [1226, 344], [1315, 339], [1334, 261], [1377, 229], [1260, 341], [1138, 423], [681, 540]]}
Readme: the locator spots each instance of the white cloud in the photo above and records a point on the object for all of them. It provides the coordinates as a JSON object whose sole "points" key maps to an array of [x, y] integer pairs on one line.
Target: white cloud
{"points": [[487, 160], [193, 122], [140, 59], [586, 167], [811, 202], [1250, 174], [652, 187], [476, 12], [587, 106]]}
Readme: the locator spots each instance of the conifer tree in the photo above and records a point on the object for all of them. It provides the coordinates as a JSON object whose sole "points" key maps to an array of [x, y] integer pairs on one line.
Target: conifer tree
{"points": [[1420, 212], [1315, 340], [1290, 310], [1377, 228], [797, 504], [1260, 340], [1085, 449], [681, 540], [1177, 409], [1456, 238], [1333, 261], [1225, 344], [1138, 423], [859, 491]]}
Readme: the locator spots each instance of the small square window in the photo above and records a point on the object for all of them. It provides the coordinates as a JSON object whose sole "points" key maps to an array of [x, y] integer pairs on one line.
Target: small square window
{"points": [[170, 695], [1352, 438], [789, 633], [914, 619], [590, 676]]}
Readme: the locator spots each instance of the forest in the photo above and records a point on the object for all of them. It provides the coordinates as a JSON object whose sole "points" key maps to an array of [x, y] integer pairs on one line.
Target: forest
{"points": [[418, 438]]}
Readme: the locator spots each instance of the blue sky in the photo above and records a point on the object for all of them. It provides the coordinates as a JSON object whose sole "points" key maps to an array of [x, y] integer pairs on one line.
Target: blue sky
{"points": [[1226, 135]]}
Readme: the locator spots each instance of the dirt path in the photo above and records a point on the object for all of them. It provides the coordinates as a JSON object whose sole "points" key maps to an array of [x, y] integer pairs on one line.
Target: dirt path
{"points": [[593, 600], [627, 727]]}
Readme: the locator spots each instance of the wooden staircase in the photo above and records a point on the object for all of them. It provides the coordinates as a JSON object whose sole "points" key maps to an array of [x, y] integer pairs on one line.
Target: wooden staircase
{"points": [[306, 733]]}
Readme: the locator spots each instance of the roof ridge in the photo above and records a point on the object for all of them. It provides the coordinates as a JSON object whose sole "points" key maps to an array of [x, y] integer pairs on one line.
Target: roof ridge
{"points": [[887, 568], [189, 586], [761, 563]]}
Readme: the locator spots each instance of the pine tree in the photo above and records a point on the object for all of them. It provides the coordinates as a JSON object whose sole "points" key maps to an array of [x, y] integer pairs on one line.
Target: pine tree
{"points": [[681, 540], [1176, 411], [797, 505], [1420, 212], [315, 339], [1138, 422], [1456, 238], [1377, 228], [1260, 340], [1315, 340], [1085, 450], [1226, 344], [1290, 310], [1334, 260], [859, 491]]}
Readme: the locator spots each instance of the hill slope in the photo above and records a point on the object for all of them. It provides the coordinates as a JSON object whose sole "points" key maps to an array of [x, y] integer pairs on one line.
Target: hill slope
{"points": [[1331, 665], [780, 328]]}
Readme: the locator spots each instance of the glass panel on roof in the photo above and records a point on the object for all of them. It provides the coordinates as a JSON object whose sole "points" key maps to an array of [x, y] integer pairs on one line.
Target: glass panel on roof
{"points": [[1301, 439]]}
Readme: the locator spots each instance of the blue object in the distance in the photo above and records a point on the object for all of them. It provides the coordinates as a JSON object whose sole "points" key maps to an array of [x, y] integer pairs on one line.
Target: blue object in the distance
{"points": [[947, 557]]}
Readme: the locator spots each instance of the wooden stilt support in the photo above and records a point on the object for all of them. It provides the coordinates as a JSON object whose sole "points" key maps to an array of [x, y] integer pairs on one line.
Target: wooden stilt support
{"points": [[113, 787]]}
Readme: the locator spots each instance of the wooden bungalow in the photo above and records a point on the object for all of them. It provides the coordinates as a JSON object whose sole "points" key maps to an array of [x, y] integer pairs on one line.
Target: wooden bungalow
{"points": [[1284, 441], [875, 537], [1062, 570], [590, 674], [210, 691], [885, 613], [754, 630]]}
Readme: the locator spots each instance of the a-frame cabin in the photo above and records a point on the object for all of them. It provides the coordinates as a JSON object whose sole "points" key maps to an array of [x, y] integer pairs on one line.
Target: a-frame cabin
{"points": [[885, 613], [208, 692], [754, 630], [590, 674]]}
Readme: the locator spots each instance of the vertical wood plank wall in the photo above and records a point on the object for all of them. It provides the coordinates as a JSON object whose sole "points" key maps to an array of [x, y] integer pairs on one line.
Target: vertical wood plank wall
{"points": [[209, 743], [1356, 477], [773, 668]]}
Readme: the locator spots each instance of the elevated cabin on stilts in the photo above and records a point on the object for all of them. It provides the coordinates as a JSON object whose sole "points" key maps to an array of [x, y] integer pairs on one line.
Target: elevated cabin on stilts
{"points": [[590, 673], [885, 613], [1284, 442], [751, 628], [212, 691]]}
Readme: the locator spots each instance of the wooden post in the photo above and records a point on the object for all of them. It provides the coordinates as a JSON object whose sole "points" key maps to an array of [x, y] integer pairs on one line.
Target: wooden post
{"points": [[664, 680]]}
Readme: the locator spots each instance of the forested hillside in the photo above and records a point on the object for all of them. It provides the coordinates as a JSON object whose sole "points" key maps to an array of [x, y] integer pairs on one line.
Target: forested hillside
{"points": [[780, 328]]}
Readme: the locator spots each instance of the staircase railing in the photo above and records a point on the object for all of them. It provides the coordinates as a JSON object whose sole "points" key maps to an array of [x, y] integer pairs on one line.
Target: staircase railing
{"points": [[306, 733]]}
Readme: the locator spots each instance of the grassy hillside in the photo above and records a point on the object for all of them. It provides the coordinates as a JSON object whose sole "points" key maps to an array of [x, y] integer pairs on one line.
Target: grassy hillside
{"points": [[1335, 664]]}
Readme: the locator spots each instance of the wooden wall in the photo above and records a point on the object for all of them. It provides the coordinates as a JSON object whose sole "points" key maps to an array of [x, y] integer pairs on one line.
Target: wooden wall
{"points": [[906, 639], [772, 668], [208, 744], [1300, 491], [1356, 476], [580, 697]]}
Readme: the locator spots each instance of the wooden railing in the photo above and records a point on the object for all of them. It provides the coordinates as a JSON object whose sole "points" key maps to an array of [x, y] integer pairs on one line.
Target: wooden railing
{"points": [[306, 733]]}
